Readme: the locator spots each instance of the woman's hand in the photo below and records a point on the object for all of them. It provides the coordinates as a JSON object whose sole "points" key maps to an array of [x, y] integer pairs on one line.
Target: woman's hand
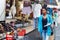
{"points": [[47, 24]]}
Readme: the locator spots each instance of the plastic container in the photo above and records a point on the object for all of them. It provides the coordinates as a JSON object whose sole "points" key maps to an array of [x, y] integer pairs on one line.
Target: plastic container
{"points": [[9, 37], [22, 33]]}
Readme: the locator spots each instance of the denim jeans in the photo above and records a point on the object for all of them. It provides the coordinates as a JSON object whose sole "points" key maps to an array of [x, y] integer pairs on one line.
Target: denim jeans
{"points": [[44, 35], [35, 22]]}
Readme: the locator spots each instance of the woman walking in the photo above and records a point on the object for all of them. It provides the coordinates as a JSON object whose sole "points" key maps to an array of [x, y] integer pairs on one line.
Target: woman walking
{"points": [[44, 24]]}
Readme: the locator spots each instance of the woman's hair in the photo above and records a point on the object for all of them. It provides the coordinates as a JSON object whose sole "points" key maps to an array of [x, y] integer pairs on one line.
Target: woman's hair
{"points": [[44, 8]]}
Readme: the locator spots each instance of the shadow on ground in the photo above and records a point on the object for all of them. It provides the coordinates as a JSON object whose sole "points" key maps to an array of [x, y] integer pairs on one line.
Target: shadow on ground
{"points": [[34, 35]]}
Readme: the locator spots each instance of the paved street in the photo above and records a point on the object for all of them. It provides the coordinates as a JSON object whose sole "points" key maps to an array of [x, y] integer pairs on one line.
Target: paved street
{"points": [[34, 35]]}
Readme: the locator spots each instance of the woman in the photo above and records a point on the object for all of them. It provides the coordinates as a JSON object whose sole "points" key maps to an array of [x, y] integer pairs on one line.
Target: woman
{"points": [[44, 23]]}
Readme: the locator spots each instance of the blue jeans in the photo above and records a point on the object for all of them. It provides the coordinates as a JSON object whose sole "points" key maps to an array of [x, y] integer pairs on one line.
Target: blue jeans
{"points": [[44, 35], [35, 24]]}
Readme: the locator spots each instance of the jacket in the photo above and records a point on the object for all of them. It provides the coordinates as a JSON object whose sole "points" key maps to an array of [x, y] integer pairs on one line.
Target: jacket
{"points": [[40, 27]]}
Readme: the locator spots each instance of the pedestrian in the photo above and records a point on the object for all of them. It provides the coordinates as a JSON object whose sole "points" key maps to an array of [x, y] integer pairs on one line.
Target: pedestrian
{"points": [[55, 14], [36, 13], [13, 9], [56, 24], [26, 10], [44, 23], [50, 11]]}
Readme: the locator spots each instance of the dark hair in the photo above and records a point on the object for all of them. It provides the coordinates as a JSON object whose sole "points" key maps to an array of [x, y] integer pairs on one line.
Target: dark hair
{"points": [[37, 2], [54, 8], [45, 8]]}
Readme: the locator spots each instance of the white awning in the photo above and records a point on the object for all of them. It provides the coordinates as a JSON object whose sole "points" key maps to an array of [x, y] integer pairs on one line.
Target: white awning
{"points": [[53, 6]]}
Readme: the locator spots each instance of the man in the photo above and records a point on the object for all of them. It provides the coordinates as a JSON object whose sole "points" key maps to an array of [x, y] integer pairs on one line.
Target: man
{"points": [[36, 12], [26, 9]]}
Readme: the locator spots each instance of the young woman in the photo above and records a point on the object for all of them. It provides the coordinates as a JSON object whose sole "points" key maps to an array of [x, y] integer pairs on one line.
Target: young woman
{"points": [[44, 24]]}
